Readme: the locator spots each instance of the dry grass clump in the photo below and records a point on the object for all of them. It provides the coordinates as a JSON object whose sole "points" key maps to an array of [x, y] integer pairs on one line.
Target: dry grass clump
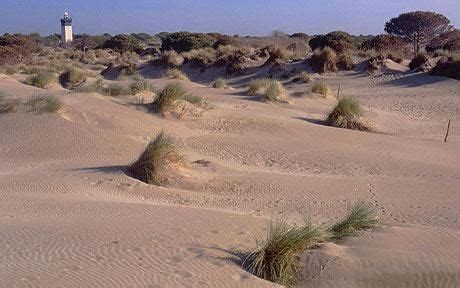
{"points": [[141, 85], [177, 74], [8, 105], [324, 60], [44, 104], [220, 83], [347, 114], [257, 85], [155, 163], [200, 57], [72, 78], [42, 79], [345, 62], [171, 97], [277, 258], [268, 89], [360, 216], [171, 59], [320, 88], [115, 89]]}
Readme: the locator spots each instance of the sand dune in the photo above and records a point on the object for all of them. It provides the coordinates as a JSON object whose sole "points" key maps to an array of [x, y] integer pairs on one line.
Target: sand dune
{"points": [[71, 217]]}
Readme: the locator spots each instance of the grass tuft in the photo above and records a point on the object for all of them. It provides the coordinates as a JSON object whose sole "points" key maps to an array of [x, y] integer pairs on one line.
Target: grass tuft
{"points": [[44, 104], [320, 88], [141, 85], [277, 258], [41, 80], [177, 74], [169, 98], [257, 85], [220, 83], [347, 114], [153, 166], [72, 78], [269, 89], [359, 217]]}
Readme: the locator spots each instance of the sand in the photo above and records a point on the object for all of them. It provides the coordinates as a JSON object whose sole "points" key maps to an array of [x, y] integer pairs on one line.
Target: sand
{"points": [[71, 217]]}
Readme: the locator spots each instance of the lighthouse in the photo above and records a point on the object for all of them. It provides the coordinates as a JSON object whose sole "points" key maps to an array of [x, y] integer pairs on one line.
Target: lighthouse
{"points": [[66, 29]]}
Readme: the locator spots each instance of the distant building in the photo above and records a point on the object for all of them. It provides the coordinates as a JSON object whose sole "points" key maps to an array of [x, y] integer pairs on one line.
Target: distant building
{"points": [[66, 29]]}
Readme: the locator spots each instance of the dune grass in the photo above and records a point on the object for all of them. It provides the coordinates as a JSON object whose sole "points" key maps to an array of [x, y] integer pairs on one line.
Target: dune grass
{"points": [[277, 258], [154, 164], [44, 104], [177, 74], [257, 85], [346, 114], [320, 88], [220, 83], [42, 79], [324, 60], [141, 85], [168, 99], [360, 216], [72, 77], [302, 78], [115, 89], [269, 90], [8, 105]]}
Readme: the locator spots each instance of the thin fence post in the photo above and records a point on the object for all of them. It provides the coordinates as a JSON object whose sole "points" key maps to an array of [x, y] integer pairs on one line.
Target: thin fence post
{"points": [[338, 93], [447, 132]]}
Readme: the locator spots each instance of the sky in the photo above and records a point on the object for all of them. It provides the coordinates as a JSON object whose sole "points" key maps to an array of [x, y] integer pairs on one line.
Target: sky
{"points": [[243, 17]]}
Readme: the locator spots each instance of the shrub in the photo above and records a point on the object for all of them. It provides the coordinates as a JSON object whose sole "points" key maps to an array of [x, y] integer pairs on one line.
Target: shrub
{"points": [[171, 59], [44, 104], [419, 61], [41, 79], [176, 74], [220, 83], [277, 258], [16, 48], [345, 62], [346, 114], [337, 40], [72, 78], [447, 68], [384, 42], [10, 70], [141, 85], [257, 85], [320, 88], [324, 60], [123, 43], [186, 41], [359, 217], [302, 78], [155, 163]]}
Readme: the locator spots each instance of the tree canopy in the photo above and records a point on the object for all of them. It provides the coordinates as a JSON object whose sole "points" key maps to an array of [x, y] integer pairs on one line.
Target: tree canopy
{"points": [[418, 28]]}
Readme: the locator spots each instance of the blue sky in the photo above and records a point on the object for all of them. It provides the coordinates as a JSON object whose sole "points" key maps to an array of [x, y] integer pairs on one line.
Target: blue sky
{"points": [[244, 17]]}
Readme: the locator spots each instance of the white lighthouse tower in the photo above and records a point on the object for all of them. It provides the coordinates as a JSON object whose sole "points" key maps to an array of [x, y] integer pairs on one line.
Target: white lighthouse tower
{"points": [[66, 29]]}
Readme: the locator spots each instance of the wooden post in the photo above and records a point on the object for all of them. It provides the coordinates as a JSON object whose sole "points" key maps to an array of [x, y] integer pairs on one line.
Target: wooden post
{"points": [[447, 132], [338, 93]]}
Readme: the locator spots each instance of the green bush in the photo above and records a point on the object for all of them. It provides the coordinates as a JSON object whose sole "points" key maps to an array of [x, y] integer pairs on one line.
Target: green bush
{"points": [[337, 40], [186, 41], [418, 61], [447, 68], [123, 43]]}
